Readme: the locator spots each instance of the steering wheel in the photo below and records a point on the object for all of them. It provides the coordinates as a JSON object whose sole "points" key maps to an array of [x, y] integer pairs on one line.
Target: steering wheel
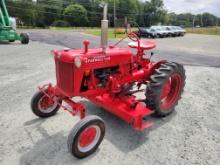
{"points": [[132, 36]]}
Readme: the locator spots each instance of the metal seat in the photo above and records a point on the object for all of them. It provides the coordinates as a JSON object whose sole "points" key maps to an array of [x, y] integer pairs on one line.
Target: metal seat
{"points": [[144, 45]]}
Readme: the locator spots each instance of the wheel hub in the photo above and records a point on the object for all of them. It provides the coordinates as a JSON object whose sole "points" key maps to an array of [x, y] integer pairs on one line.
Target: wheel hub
{"points": [[89, 138], [171, 91], [46, 104]]}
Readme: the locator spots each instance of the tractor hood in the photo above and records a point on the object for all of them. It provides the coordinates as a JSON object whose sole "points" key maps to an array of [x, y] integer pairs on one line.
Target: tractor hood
{"points": [[94, 57]]}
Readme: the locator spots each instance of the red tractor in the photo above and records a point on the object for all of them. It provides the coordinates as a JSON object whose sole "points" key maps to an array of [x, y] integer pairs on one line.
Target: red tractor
{"points": [[109, 77]]}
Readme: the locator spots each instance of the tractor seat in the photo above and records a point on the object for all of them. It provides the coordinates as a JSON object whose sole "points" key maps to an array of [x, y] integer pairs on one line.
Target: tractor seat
{"points": [[144, 45]]}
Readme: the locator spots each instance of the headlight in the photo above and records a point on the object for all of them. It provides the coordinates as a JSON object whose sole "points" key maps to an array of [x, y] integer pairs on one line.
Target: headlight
{"points": [[77, 62]]}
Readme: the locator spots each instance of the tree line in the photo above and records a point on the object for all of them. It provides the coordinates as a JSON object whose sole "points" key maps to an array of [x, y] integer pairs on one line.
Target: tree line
{"points": [[44, 13]]}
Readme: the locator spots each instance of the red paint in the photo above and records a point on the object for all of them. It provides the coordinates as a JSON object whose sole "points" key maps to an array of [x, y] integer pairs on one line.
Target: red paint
{"points": [[171, 91], [86, 45], [87, 136], [46, 103]]}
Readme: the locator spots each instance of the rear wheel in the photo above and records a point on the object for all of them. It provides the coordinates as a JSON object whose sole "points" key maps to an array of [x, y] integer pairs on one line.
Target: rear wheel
{"points": [[43, 106], [86, 136], [24, 38], [165, 88]]}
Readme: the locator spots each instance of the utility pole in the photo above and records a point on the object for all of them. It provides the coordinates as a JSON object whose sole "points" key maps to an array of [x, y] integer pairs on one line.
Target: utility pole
{"points": [[201, 20], [114, 14], [193, 23]]}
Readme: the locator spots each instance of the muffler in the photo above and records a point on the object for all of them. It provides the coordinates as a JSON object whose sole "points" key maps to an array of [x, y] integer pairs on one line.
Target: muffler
{"points": [[104, 29]]}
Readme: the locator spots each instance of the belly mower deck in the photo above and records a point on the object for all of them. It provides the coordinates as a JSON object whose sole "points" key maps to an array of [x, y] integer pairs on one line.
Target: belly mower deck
{"points": [[125, 107]]}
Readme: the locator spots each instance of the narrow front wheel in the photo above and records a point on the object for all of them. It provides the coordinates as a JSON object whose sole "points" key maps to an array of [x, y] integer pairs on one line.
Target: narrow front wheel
{"points": [[43, 106], [86, 136]]}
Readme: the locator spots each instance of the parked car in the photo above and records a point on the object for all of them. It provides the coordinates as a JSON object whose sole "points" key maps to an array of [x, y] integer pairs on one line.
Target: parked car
{"points": [[181, 31], [157, 31], [172, 32], [142, 32], [152, 32], [160, 31], [175, 31], [165, 31]]}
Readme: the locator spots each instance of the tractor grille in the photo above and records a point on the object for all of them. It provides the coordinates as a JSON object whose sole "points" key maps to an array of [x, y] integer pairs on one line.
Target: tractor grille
{"points": [[65, 77]]}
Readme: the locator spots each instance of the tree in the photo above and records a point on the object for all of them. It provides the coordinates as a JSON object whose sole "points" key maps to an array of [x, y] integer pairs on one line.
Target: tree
{"points": [[25, 15], [51, 10], [209, 19], [172, 19], [43, 13], [154, 12], [76, 15]]}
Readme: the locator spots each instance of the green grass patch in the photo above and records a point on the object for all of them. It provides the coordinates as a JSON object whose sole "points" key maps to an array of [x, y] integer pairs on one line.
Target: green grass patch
{"points": [[208, 30], [65, 28], [111, 34]]}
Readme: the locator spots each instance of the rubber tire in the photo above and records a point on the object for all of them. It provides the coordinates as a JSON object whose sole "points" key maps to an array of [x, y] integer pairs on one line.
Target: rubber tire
{"points": [[24, 38], [11, 40], [34, 106], [75, 133], [157, 81]]}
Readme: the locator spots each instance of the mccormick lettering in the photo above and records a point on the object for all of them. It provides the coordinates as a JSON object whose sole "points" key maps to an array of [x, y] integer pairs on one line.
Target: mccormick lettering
{"points": [[98, 59]]}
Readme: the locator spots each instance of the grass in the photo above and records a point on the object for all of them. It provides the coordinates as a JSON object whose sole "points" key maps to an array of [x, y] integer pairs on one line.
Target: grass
{"points": [[93, 31], [73, 28], [208, 30], [111, 33]]}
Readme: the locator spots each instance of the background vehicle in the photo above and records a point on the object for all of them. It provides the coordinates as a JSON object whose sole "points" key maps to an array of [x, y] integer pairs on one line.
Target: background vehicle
{"points": [[171, 31], [142, 32], [8, 27], [156, 31], [175, 31], [160, 31], [152, 32], [165, 31], [181, 31]]}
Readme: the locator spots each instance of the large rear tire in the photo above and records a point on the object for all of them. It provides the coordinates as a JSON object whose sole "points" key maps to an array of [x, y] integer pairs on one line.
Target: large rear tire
{"points": [[165, 88], [86, 136]]}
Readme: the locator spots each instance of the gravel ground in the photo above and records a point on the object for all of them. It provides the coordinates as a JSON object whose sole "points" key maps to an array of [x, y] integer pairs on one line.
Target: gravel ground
{"points": [[191, 135]]}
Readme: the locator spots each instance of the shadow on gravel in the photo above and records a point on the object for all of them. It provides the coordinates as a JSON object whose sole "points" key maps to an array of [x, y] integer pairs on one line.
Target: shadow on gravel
{"points": [[34, 121], [49, 150], [9, 43], [53, 148], [4, 43]]}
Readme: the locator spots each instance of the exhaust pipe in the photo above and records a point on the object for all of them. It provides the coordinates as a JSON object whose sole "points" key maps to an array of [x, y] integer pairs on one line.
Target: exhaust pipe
{"points": [[104, 29]]}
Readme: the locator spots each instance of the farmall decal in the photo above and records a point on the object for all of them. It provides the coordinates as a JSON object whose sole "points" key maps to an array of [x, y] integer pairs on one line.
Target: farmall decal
{"points": [[98, 59]]}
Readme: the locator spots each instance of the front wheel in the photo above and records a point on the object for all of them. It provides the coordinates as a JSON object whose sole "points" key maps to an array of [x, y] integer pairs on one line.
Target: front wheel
{"points": [[165, 88], [43, 106], [86, 136]]}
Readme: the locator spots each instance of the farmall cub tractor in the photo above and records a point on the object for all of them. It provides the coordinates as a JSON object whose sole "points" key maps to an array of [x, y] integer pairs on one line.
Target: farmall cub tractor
{"points": [[109, 77]]}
